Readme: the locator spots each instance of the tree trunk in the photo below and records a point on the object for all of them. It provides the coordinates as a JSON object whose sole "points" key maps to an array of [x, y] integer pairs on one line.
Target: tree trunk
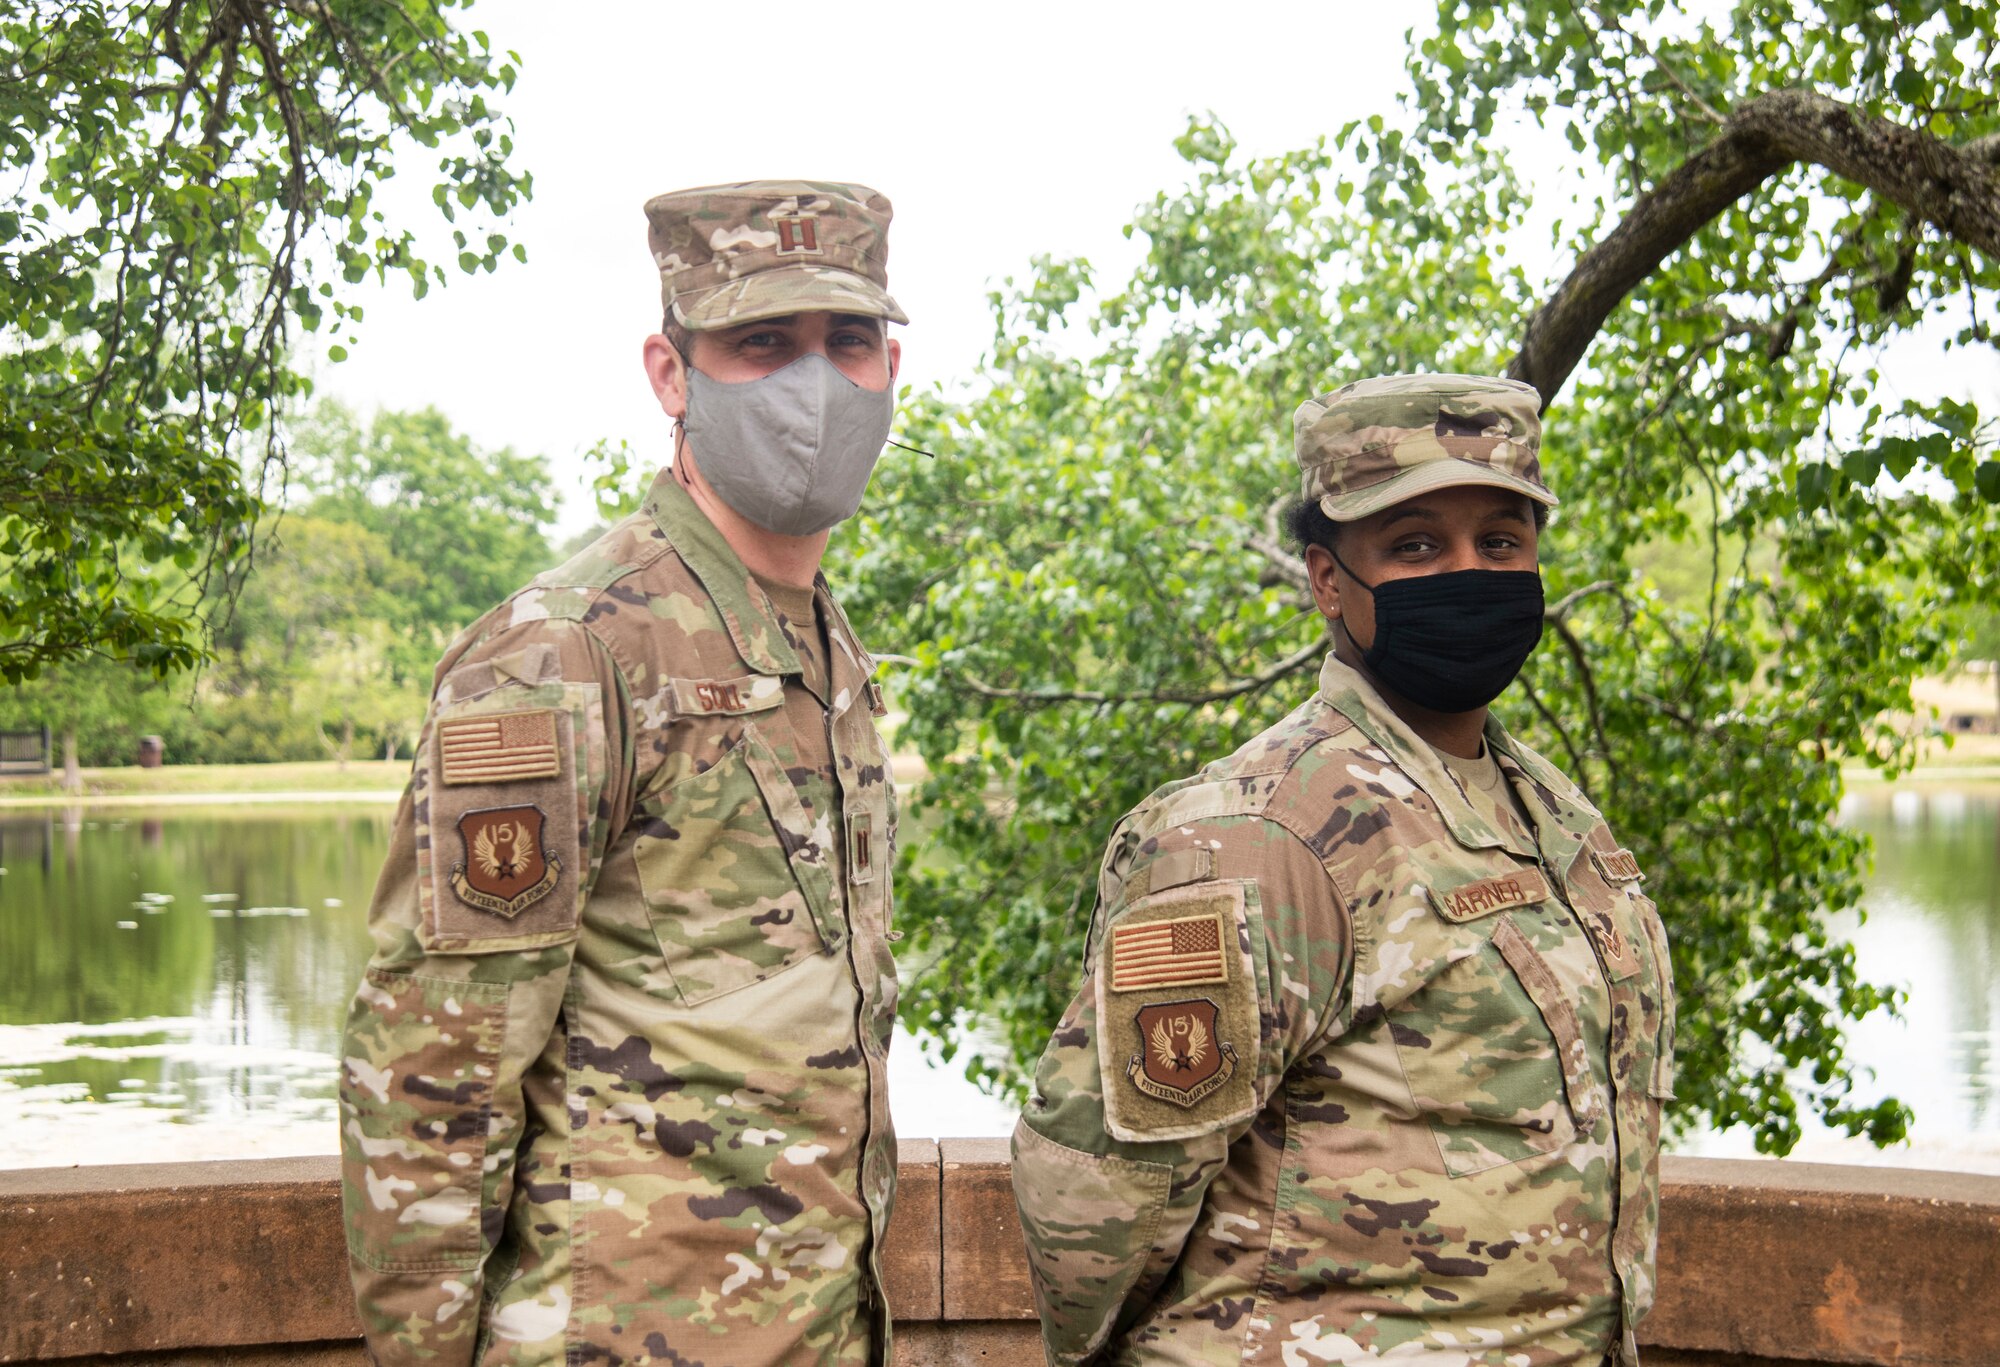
{"points": [[72, 772], [346, 741]]}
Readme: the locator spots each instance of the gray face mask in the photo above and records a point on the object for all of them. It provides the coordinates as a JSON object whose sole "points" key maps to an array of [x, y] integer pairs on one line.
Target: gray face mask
{"points": [[791, 451]]}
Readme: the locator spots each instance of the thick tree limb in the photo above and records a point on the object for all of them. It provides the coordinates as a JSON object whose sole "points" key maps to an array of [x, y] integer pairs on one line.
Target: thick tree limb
{"points": [[1956, 189]]}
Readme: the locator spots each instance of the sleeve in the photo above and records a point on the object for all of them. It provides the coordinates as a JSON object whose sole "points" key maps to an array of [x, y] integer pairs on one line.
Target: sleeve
{"points": [[1220, 957], [521, 776]]}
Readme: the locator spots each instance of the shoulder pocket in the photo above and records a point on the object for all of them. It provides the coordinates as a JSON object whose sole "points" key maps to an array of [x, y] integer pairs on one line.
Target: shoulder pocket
{"points": [[736, 882], [505, 817], [1177, 1012]]}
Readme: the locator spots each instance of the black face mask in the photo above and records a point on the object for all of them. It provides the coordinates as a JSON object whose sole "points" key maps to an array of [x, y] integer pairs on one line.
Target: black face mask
{"points": [[1452, 642]]}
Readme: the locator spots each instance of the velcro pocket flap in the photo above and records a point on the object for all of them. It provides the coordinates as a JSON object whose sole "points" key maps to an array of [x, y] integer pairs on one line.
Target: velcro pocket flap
{"points": [[1483, 897], [1547, 993], [727, 697], [1174, 869]]}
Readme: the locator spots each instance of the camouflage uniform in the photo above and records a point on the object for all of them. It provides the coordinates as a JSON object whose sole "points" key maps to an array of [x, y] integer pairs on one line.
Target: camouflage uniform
{"points": [[613, 1088], [1359, 1071]]}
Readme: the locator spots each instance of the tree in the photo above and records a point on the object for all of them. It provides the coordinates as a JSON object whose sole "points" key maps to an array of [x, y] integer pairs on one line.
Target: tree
{"points": [[96, 710], [467, 526], [1089, 583], [310, 647], [403, 532], [188, 180]]}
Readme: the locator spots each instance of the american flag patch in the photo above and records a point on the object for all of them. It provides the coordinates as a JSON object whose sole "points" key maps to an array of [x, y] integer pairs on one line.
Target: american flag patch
{"points": [[499, 748], [1168, 953]]}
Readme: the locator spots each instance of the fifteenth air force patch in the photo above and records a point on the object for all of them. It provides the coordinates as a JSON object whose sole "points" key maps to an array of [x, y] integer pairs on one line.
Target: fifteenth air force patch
{"points": [[1184, 1057], [504, 868]]}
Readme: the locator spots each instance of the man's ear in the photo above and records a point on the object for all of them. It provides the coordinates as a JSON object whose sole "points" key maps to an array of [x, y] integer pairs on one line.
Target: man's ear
{"points": [[1323, 575], [895, 360], [666, 369]]}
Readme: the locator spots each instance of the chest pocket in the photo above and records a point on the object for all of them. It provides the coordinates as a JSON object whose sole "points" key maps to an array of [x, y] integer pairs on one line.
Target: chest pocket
{"points": [[1490, 1043], [736, 880]]}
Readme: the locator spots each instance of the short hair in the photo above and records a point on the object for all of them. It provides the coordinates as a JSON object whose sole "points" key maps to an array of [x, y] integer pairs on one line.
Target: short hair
{"points": [[1310, 526], [679, 334]]}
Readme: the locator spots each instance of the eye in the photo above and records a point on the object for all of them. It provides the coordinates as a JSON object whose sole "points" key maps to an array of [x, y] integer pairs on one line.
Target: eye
{"points": [[757, 340], [853, 338]]}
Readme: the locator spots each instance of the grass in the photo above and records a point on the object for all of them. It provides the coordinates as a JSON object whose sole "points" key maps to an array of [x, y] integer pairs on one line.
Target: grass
{"points": [[1972, 758], [1969, 757], [177, 780]]}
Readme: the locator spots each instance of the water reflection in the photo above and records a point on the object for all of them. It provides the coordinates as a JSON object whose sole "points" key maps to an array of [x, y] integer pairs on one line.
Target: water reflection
{"points": [[172, 984], [187, 974], [1934, 925]]}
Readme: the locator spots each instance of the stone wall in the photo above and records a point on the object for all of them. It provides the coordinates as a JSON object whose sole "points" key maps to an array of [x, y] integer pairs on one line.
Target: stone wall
{"points": [[241, 1265]]}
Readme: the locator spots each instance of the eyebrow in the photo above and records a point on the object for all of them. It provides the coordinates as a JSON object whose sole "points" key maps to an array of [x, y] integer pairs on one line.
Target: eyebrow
{"points": [[842, 320], [1510, 513]]}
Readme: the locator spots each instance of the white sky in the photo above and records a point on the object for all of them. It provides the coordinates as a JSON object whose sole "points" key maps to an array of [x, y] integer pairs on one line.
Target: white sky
{"points": [[999, 132]]}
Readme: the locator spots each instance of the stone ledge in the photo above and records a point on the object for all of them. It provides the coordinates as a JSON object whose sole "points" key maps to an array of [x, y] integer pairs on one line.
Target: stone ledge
{"points": [[1761, 1264]]}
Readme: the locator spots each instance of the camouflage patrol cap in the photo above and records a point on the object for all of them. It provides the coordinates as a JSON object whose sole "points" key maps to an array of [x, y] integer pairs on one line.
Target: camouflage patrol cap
{"points": [[1377, 442], [732, 254]]}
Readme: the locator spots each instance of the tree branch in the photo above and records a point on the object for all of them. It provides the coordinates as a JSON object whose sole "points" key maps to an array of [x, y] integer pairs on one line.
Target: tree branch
{"points": [[1957, 189], [1042, 697]]}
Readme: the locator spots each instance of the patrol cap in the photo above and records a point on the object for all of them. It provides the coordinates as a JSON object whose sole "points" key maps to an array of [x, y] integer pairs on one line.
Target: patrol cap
{"points": [[732, 254], [1376, 442]]}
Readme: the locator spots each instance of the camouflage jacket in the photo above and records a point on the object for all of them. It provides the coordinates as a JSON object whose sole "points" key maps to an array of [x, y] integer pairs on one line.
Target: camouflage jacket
{"points": [[1350, 1078], [613, 1088]]}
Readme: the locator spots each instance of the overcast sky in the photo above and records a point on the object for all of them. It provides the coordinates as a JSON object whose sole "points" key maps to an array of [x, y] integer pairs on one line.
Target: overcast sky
{"points": [[999, 132]]}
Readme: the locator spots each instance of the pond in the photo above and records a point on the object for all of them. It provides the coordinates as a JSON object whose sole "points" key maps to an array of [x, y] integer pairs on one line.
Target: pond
{"points": [[172, 982]]}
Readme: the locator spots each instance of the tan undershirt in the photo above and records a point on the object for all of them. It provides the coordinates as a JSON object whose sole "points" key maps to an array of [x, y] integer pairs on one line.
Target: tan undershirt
{"points": [[806, 708], [1491, 796]]}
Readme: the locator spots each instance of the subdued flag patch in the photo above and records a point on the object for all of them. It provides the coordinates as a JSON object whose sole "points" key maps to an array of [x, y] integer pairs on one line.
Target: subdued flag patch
{"points": [[499, 747], [1168, 953]]}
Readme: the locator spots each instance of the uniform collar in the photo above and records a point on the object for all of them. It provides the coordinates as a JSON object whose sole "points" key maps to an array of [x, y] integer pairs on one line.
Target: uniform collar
{"points": [[749, 613], [1563, 816], [1552, 802], [746, 609]]}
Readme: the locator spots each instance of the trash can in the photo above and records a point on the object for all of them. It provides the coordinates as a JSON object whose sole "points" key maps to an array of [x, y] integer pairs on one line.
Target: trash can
{"points": [[152, 752]]}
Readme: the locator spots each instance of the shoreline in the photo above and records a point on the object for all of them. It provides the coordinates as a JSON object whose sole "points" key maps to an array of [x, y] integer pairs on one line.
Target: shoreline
{"points": [[1970, 776], [359, 796]]}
